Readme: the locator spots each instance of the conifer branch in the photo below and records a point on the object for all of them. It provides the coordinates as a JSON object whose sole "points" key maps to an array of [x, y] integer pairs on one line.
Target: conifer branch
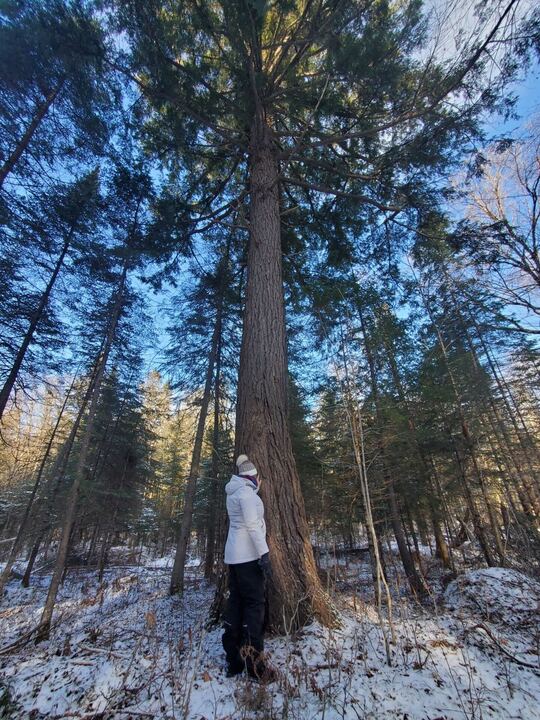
{"points": [[342, 193]]}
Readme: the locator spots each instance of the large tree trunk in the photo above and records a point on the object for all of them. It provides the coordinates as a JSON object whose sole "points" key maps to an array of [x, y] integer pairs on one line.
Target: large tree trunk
{"points": [[46, 617], [23, 143], [262, 429]]}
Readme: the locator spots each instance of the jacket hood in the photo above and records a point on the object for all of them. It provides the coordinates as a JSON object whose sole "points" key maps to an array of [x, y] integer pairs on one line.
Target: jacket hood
{"points": [[236, 482]]}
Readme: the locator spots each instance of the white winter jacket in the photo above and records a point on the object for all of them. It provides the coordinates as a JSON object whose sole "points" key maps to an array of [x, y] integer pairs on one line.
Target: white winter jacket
{"points": [[246, 540]]}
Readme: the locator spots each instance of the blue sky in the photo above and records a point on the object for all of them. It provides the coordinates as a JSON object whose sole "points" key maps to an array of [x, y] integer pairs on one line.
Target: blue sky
{"points": [[528, 103]]}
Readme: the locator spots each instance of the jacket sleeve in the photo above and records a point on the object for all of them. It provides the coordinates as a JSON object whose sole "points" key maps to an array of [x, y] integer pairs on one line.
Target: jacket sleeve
{"points": [[248, 506]]}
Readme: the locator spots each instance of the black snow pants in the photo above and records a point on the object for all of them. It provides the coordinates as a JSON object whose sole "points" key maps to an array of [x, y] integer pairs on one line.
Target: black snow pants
{"points": [[244, 619]]}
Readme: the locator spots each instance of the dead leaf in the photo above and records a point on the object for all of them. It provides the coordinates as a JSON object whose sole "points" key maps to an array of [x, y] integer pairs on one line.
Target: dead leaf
{"points": [[441, 642]]}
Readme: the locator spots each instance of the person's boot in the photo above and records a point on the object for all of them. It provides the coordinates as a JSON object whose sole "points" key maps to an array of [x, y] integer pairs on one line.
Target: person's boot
{"points": [[234, 670]]}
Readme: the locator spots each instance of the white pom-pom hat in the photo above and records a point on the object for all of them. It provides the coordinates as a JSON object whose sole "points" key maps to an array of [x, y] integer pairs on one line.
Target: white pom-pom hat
{"points": [[245, 467]]}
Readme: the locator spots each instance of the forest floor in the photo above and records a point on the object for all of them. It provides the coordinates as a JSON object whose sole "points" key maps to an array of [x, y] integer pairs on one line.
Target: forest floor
{"points": [[124, 649]]}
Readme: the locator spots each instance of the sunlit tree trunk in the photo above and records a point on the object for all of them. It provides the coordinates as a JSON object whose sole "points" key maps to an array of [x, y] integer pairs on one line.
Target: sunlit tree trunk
{"points": [[470, 447], [527, 442], [471, 504], [469, 444], [519, 475], [17, 543]]}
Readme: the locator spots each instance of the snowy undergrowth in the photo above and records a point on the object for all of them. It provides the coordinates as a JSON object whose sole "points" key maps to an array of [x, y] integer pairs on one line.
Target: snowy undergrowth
{"points": [[497, 594], [126, 650]]}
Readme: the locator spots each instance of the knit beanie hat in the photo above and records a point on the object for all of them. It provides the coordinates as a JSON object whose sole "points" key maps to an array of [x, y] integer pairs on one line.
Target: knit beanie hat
{"points": [[245, 467]]}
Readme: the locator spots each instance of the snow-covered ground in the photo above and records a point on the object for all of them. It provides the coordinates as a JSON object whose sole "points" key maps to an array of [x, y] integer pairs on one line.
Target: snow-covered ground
{"points": [[125, 649]]}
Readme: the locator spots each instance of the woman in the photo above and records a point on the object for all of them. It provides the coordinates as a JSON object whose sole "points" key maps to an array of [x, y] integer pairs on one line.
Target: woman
{"points": [[246, 554]]}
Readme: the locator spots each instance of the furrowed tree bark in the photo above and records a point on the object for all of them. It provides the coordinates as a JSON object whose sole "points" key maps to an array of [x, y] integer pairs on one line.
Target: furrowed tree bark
{"points": [[45, 622], [23, 143], [262, 430], [177, 577]]}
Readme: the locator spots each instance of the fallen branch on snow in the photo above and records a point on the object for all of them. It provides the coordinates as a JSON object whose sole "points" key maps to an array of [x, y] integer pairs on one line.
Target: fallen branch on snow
{"points": [[20, 642], [104, 651], [27, 637], [481, 626]]}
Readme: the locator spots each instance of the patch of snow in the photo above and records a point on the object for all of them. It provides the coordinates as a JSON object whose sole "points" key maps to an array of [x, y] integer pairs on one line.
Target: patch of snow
{"points": [[497, 594], [125, 648], [164, 563]]}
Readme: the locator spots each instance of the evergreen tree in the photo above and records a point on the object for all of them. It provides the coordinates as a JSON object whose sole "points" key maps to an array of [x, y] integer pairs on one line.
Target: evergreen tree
{"points": [[214, 292], [292, 97], [63, 226], [54, 99]]}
